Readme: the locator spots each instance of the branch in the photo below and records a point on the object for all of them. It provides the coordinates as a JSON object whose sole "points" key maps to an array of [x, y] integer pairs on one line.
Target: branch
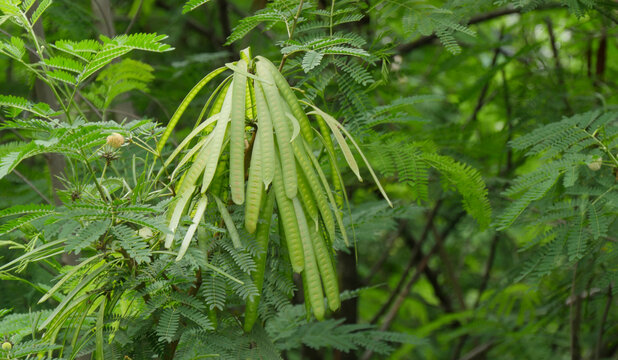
{"points": [[557, 64], [420, 267], [575, 318], [224, 18], [385, 253], [448, 269], [32, 186], [207, 32], [426, 40], [478, 351], [416, 250], [488, 266], [481, 100], [608, 304], [291, 33]]}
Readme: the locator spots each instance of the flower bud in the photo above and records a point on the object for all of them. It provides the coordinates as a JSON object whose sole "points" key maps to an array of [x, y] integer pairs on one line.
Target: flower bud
{"points": [[595, 164], [6, 346], [115, 140]]}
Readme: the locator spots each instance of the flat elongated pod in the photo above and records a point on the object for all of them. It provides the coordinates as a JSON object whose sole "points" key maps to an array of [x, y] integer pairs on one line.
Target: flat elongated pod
{"points": [[312, 273], [250, 102], [204, 157], [265, 132], [328, 144], [218, 103], [177, 209], [183, 106], [288, 219], [334, 125], [189, 155], [69, 275], [327, 269], [309, 171], [237, 135], [343, 145], [282, 130], [214, 96], [306, 195], [292, 101], [190, 137], [199, 212], [262, 236], [331, 198], [229, 223], [255, 187], [215, 146]]}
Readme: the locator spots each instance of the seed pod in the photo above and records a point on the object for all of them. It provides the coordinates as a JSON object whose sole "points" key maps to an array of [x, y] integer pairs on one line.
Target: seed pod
{"points": [[311, 273], [282, 131], [265, 133], [237, 135], [327, 269], [317, 188], [287, 217], [262, 236], [290, 98], [255, 188]]}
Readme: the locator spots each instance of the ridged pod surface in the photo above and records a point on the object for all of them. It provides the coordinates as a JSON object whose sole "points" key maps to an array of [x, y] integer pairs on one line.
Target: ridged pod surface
{"points": [[255, 187], [261, 237], [282, 131], [237, 135], [265, 132], [290, 98], [314, 294], [288, 219]]}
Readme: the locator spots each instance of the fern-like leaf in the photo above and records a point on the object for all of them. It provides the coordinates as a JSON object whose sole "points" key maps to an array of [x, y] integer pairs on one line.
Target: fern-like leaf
{"points": [[168, 324], [192, 5]]}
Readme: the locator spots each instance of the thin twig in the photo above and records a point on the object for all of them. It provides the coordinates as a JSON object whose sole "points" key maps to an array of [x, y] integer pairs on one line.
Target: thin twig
{"points": [[575, 318], [557, 63], [32, 186], [427, 40], [478, 351], [385, 252], [134, 17], [608, 305], [416, 248], [405, 291], [481, 100], [291, 35], [488, 266], [448, 269], [402, 295]]}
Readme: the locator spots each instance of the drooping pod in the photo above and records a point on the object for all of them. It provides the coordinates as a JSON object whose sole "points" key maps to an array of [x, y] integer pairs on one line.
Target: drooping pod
{"points": [[315, 294], [255, 187], [282, 131], [237, 134], [287, 216], [261, 237]]}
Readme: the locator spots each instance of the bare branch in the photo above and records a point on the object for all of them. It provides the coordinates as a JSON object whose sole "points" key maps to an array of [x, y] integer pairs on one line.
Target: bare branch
{"points": [[427, 40]]}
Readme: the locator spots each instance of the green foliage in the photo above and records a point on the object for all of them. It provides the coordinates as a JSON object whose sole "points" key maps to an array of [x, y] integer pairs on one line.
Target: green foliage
{"points": [[578, 214], [458, 105], [192, 5], [123, 77], [291, 329]]}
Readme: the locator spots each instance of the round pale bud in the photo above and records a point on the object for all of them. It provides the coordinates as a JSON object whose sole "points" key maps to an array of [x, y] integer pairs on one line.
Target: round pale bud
{"points": [[6, 346], [595, 164], [145, 233], [115, 140]]}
